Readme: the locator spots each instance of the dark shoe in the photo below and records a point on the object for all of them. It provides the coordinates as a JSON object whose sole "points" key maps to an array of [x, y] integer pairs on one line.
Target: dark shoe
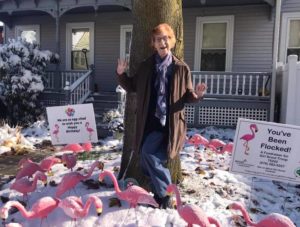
{"points": [[166, 202], [157, 199]]}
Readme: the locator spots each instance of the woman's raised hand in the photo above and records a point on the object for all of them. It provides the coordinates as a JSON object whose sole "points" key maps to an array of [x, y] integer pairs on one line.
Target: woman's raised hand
{"points": [[122, 66], [200, 89]]}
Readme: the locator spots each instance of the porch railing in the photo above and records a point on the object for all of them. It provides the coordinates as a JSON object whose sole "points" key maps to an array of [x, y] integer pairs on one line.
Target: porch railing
{"points": [[70, 76], [66, 87], [80, 89], [234, 84], [230, 95]]}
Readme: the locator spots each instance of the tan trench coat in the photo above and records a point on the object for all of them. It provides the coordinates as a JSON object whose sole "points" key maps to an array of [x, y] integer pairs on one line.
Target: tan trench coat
{"points": [[181, 90]]}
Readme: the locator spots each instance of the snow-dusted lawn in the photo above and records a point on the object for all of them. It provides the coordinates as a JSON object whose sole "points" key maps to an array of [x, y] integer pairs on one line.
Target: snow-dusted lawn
{"points": [[211, 187]]}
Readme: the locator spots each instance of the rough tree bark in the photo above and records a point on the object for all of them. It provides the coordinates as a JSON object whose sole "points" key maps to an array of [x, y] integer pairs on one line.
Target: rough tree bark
{"points": [[146, 15]]}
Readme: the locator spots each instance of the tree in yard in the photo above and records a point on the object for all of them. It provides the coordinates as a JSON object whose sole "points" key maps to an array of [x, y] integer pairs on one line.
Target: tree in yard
{"points": [[146, 15]]}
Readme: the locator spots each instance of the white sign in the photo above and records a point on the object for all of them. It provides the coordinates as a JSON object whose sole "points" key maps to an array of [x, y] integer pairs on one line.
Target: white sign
{"points": [[268, 150], [72, 124]]}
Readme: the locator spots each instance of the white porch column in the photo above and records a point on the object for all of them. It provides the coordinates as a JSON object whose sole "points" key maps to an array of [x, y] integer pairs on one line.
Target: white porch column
{"points": [[291, 96]]}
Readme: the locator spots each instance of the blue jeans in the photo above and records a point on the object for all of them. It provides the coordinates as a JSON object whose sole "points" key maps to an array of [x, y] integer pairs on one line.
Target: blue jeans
{"points": [[153, 162]]}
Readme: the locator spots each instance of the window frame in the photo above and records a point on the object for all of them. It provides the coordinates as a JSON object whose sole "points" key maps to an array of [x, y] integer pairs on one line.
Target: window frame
{"points": [[69, 27], [285, 33], [123, 30], [229, 20], [20, 28]]}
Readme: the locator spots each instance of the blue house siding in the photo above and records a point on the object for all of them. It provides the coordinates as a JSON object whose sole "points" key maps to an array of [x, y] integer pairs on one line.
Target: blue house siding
{"points": [[252, 44], [290, 6]]}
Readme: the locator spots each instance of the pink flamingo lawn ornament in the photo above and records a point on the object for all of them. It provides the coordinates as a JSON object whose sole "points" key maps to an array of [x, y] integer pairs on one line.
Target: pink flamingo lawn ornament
{"points": [[226, 148], [69, 160], [216, 145], [89, 130], [40, 209], [70, 180], [271, 220], [55, 132], [28, 170], [248, 137], [74, 208], [48, 162], [75, 147], [25, 186], [134, 195], [192, 214], [197, 140]]}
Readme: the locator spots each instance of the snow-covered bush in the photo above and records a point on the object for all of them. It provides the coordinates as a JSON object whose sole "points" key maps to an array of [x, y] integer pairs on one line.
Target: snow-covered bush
{"points": [[114, 120], [23, 66]]}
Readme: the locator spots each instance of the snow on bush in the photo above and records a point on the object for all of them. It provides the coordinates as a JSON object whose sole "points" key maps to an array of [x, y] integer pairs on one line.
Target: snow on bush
{"points": [[114, 120], [23, 66]]}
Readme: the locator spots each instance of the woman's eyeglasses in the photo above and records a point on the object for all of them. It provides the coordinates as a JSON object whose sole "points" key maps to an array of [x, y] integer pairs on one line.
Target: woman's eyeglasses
{"points": [[162, 38]]}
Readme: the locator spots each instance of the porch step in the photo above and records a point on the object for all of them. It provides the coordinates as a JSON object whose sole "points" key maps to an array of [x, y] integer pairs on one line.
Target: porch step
{"points": [[102, 103]]}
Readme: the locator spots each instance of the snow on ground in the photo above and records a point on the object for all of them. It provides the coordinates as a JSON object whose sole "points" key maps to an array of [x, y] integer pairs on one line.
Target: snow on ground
{"points": [[207, 183]]}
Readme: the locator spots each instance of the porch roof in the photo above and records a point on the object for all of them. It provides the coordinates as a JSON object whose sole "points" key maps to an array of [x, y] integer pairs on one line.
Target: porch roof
{"points": [[59, 7]]}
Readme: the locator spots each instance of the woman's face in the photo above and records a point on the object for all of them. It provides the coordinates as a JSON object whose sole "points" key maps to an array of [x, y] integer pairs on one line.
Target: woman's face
{"points": [[162, 44]]}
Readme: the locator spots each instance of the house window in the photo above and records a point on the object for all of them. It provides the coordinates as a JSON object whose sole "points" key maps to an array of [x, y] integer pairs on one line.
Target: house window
{"points": [[31, 33], [213, 47], [290, 36], [79, 45], [125, 41]]}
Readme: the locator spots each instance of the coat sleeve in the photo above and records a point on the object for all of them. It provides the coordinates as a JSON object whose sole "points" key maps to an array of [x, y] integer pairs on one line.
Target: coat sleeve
{"points": [[128, 83], [190, 95]]}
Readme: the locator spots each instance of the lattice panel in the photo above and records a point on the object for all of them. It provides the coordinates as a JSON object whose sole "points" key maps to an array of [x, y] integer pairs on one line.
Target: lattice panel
{"points": [[189, 114], [228, 116]]}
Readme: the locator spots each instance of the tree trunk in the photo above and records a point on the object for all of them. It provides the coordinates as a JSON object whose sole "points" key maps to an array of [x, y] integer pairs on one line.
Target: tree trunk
{"points": [[146, 15]]}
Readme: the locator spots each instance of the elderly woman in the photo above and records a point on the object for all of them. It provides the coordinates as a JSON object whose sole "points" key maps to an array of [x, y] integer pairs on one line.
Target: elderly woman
{"points": [[162, 85]]}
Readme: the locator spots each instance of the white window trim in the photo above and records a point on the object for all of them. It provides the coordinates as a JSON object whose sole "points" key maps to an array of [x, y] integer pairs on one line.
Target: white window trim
{"points": [[229, 19], [123, 30], [285, 31], [69, 27], [20, 28]]}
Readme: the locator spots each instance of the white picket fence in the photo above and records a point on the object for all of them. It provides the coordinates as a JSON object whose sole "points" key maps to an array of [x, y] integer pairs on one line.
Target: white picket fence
{"points": [[290, 96]]}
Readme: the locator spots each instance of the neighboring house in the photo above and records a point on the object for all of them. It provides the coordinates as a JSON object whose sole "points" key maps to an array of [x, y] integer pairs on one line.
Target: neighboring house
{"points": [[232, 36]]}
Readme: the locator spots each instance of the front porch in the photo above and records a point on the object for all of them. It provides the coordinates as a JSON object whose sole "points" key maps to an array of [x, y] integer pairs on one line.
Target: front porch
{"points": [[230, 95]]}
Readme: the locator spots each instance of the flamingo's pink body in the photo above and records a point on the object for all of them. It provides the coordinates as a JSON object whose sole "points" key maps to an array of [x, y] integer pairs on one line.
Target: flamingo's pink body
{"points": [[28, 170], [48, 162], [75, 147], [74, 208], [70, 180], [248, 137], [227, 148], [221, 150], [40, 209], [197, 140], [271, 220], [69, 160], [87, 146], [134, 195], [25, 186], [217, 143], [23, 162], [192, 214]]}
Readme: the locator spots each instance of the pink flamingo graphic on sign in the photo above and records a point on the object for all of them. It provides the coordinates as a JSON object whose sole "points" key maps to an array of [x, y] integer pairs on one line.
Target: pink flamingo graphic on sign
{"points": [[248, 137], [90, 130], [55, 132]]}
